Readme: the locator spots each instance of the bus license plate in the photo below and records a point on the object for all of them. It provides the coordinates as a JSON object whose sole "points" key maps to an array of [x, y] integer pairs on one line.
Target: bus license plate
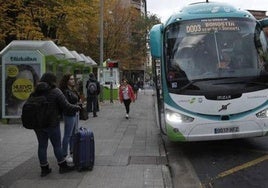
{"points": [[226, 130]]}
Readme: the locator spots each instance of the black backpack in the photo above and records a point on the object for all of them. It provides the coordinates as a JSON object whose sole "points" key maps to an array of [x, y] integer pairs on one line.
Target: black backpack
{"points": [[92, 88], [37, 112]]}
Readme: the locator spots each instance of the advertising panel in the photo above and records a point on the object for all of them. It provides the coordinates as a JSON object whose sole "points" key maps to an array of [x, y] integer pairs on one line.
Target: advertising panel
{"points": [[21, 72]]}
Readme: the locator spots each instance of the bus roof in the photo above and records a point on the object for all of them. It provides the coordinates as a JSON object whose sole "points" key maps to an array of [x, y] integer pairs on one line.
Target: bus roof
{"points": [[208, 10]]}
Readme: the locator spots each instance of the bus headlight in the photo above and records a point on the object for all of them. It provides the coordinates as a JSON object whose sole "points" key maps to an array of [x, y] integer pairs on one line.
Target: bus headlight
{"points": [[262, 114], [175, 117]]}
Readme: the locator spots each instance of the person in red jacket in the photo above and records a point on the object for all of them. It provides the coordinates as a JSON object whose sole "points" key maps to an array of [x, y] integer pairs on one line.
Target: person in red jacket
{"points": [[126, 95]]}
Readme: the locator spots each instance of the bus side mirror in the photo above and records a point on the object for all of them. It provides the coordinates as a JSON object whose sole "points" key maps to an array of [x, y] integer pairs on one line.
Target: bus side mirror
{"points": [[263, 49], [156, 40], [264, 22], [264, 46]]}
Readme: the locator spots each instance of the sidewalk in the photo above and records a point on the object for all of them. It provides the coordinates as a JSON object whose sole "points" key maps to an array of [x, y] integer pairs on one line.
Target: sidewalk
{"points": [[129, 153]]}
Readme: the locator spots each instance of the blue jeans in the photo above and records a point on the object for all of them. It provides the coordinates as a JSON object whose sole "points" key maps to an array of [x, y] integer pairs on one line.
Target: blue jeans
{"points": [[70, 128], [43, 135]]}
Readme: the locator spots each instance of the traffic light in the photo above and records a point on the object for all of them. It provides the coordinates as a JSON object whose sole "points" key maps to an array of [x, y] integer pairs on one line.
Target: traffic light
{"points": [[112, 64]]}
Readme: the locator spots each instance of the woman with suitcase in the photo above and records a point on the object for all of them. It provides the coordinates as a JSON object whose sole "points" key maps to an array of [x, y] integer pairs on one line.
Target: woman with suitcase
{"points": [[71, 119]]}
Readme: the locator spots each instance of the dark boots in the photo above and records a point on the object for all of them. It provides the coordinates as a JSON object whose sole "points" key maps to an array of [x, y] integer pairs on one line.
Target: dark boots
{"points": [[45, 170], [95, 114], [64, 168]]}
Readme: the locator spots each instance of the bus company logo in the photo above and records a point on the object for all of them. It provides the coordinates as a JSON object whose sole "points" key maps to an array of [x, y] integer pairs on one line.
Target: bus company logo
{"points": [[227, 9], [191, 101], [224, 107], [215, 9]]}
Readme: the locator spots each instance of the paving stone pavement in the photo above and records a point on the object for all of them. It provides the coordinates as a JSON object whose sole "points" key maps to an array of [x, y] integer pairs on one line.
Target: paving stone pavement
{"points": [[129, 153]]}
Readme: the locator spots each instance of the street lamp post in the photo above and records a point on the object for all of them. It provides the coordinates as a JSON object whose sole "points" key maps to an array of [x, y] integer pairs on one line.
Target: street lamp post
{"points": [[101, 32], [101, 48]]}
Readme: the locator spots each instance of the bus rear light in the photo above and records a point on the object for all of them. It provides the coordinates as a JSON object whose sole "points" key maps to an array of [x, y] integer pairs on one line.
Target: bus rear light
{"points": [[262, 114], [177, 117]]}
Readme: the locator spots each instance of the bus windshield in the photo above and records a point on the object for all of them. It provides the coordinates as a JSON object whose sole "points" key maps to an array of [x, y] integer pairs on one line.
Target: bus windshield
{"points": [[209, 50]]}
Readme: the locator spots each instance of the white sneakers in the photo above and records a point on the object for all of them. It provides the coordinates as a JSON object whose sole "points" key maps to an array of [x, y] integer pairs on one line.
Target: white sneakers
{"points": [[69, 159], [126, 116]]}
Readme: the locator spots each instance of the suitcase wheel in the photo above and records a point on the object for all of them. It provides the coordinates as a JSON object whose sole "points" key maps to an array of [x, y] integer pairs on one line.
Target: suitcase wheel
{"points": [[80, 169]]}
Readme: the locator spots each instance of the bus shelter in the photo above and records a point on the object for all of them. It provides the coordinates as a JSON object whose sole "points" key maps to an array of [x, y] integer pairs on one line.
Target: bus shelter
{"points": [[23, 63]]}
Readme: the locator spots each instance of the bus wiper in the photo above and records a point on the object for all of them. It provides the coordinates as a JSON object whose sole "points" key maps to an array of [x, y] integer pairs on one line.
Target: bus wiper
{"points": [[201, 80], [258, 83], [188, 85], [195, 81], [230, 81]]}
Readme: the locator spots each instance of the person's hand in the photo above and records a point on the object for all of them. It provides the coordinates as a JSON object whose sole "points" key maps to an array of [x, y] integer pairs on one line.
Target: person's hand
{"points": [[78, 108]]}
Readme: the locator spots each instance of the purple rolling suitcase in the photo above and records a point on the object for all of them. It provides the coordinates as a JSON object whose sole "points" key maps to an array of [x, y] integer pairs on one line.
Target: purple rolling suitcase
{"points": [[84, 149]]}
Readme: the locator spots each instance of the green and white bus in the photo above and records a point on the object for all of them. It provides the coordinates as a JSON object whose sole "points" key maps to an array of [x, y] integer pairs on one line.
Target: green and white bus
{"points": [[214, 73]]}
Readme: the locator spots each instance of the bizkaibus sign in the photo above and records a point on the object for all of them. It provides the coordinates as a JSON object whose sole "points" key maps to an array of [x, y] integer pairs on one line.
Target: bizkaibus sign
{"points": [[21, 72]]}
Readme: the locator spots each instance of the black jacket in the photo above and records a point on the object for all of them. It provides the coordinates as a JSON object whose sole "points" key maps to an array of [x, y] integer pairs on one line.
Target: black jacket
{"points": [[73, 98], [59, 101]]}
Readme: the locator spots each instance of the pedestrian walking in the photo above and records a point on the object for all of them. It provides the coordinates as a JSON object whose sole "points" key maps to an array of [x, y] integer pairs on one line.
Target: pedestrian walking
{"points": [[47, 87], [136, 89], [93, 90], [126, 95], [71, 119]]}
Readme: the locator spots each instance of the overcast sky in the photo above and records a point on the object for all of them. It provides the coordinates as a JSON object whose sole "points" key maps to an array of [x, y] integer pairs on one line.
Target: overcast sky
{"points": [[164, 8]]}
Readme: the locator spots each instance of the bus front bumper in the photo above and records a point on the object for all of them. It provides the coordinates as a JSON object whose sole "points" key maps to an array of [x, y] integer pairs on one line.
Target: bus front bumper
{"points": [[216, 131]]}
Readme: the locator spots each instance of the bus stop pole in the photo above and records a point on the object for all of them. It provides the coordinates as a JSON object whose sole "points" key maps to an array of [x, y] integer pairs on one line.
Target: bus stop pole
{"points": [[111, 86]]}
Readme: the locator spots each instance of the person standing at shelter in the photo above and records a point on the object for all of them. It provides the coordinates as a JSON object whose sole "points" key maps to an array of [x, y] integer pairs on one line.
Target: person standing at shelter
{"points": [[71, 119], [93, 90], [126, 95], [47, 87]]}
